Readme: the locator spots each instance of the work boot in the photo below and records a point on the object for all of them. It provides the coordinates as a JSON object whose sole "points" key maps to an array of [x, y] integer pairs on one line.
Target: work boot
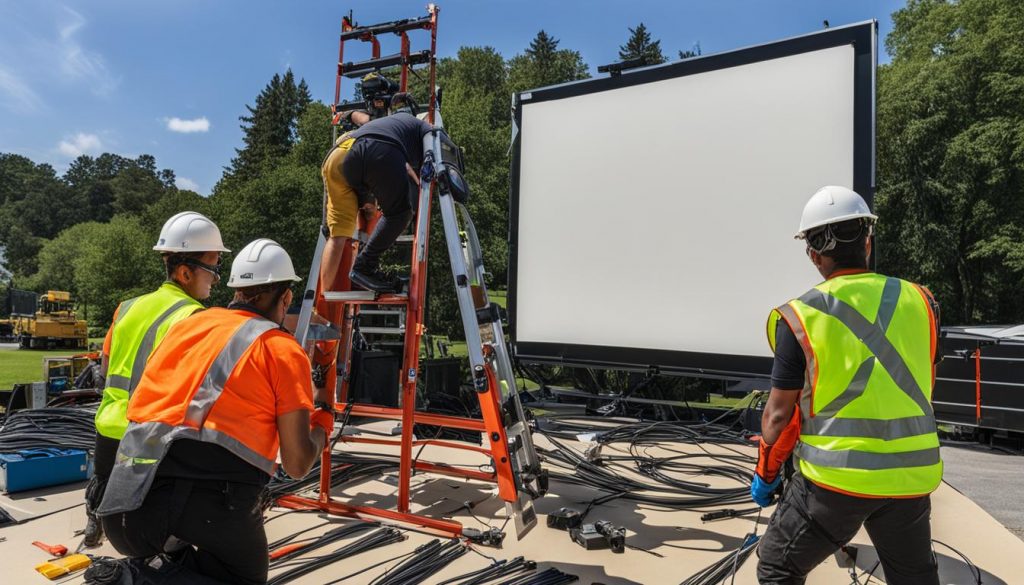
{"points": [[93, 527], [375, 280], [108, 571], [365, 271], [93, 531]]}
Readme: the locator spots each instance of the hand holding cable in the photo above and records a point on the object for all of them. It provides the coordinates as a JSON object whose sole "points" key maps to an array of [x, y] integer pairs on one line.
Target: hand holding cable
{"points": [[770, 460]]}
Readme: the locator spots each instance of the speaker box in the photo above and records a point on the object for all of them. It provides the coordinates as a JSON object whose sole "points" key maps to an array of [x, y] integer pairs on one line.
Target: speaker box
{"points": [[375, 375]]}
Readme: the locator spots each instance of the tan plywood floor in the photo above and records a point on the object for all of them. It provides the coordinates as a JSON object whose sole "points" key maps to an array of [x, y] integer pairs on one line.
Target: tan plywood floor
{"points": [[683, 544]]}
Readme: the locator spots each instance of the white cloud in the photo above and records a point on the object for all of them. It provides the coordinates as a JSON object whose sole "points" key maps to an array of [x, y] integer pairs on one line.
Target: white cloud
{"points": [[186, 183], [77, 62], [80, 144], [15, 94], [188, 126]]}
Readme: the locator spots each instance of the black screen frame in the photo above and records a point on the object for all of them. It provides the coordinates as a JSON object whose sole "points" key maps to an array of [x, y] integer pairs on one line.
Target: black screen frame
{"points": [[862, 36]]}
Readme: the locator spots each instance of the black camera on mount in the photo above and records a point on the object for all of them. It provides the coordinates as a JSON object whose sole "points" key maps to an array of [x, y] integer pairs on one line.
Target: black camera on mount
{"points": [[377, 91]]}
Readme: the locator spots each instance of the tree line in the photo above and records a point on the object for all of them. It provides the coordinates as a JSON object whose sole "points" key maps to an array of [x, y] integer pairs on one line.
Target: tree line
{"points": [[950, 167]]}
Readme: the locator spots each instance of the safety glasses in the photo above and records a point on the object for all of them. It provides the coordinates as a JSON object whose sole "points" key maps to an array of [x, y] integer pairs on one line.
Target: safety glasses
{"points": [[213, 269]]}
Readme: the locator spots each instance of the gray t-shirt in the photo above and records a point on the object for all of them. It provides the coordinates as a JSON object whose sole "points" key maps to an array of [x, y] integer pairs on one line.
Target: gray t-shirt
{"points": [[403, 130]]}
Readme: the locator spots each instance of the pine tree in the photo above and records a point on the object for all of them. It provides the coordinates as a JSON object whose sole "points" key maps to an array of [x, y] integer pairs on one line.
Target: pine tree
{"points": [[640, 45], [690, 53], [270, 127], [543, 63]]}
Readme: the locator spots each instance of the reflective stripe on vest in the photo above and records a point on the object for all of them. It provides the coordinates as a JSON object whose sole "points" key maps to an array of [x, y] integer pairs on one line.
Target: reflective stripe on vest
{"points": [[128, 358], [867, 448], [146, 443]]}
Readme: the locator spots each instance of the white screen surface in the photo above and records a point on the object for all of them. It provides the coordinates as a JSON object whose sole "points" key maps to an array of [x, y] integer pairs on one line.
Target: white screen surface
{"points": [[661, 215]]}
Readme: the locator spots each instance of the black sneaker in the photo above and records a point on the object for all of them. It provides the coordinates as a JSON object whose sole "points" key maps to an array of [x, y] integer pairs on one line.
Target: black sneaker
{"points": [[376, 281]]}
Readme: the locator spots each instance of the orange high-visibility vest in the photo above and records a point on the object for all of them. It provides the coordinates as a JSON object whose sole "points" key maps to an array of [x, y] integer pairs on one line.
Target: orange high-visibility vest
{"points": [[222, 376]]}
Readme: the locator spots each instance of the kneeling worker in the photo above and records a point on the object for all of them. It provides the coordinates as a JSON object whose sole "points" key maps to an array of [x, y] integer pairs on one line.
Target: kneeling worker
{"points": [[191, 246], [225, 391]]}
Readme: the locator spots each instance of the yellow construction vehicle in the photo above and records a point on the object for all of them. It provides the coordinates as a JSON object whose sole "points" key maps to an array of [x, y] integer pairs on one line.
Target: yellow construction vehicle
{"points": [[52, 324]]}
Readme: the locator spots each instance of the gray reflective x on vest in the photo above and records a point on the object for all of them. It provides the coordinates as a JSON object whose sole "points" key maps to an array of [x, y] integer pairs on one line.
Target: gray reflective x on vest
{"points": [[144, 445], [145, 348], [824, 422]]}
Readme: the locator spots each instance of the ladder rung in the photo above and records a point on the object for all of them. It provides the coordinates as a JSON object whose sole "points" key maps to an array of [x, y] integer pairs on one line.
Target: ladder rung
{"points": [[406, 238], [397, 311], [365, 297], [383, 330]]}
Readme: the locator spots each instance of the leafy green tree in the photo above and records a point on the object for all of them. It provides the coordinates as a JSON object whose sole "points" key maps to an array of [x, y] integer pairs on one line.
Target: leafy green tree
{"points": [[951, 155], [59, 257], [640, 45], [116, 262]]}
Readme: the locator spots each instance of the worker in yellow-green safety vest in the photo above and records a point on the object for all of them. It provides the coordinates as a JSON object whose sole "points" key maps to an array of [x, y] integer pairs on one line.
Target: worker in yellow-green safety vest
{"points": [[851, 401], [191, 246]]}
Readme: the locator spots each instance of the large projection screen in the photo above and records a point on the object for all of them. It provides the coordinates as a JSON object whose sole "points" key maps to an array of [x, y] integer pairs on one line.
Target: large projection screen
{"points": [[653, 213]]}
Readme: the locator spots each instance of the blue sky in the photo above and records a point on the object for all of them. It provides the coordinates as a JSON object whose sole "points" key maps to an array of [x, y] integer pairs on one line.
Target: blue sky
{"points": [[170, 78]]}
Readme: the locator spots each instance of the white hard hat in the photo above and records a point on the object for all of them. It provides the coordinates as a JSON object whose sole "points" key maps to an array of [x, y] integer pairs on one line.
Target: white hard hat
{"points": [[189, 231], [832, 204], [261, 261]]}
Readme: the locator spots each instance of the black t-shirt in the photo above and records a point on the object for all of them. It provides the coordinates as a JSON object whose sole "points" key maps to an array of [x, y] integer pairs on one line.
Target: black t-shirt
{"points": [[790, 362], [189, 459], [402, 130]]}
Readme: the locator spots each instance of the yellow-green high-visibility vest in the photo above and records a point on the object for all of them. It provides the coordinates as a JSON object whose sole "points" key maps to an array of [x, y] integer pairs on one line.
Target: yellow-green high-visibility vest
{"points": [[867, 425], [140, 324]]}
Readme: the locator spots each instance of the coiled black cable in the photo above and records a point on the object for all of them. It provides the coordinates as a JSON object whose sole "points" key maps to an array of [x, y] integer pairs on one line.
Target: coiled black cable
{"points": [[60, 427]]}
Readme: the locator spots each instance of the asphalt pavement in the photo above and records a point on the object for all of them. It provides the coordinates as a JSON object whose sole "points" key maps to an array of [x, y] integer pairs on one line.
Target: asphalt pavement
{"points": [[992, 478]]}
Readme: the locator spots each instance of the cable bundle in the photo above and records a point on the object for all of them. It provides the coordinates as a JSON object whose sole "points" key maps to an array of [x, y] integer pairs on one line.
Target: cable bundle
{"points": [[426, 560], [376, 539], [654, 480], [726, 567], [551, 576], [344, 468], [61, 427], [329, 537], [498, 569]]}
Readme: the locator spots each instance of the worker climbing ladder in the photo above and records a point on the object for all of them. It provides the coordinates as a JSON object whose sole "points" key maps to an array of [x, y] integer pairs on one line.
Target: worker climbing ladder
{"points": [[514, 465]]}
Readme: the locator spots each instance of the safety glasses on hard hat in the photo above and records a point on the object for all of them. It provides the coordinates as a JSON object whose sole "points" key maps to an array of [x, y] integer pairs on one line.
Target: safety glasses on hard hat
{"points": [[824, 239]]}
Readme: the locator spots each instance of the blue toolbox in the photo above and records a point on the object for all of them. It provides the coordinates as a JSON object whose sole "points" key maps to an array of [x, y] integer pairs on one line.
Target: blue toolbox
{"points": [[34, 468]]}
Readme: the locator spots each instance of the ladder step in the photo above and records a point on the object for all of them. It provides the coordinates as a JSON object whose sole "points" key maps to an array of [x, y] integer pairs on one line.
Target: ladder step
{"points": [[396, 311], [365, 297], [383, 330], [406, 238], [322, 332]]}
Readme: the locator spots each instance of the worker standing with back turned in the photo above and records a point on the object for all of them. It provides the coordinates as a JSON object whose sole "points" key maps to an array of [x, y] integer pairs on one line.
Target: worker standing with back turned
{"points": [[190, 245], [225, 392], [851, 400]]}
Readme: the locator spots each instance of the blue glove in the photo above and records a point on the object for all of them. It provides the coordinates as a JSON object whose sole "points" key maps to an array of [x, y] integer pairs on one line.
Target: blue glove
{"points": [[762, 491]]}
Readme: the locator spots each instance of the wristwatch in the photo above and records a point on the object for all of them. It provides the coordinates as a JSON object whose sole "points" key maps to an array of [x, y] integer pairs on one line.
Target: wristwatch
{"points": [[321, 405]]}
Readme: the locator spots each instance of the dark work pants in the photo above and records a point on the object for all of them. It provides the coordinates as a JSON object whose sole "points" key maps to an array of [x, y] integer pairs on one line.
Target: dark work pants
{"points": [[103, 463], [812, 522], [378, 167], [221, 520]]}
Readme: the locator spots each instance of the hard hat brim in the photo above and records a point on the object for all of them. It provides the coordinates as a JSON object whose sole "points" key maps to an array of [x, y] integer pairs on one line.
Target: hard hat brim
{"points": [[804, 229]]}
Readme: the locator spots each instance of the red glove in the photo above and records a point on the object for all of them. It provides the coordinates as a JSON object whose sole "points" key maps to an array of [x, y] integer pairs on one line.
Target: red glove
{"points": [[771, 457], [323, 419]]}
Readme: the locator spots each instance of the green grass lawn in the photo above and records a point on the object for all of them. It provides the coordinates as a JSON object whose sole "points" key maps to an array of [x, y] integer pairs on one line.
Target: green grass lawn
{"points": [[19, 366]]}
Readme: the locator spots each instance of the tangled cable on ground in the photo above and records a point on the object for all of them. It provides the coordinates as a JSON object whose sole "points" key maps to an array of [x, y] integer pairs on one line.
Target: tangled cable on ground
{"points": [[345, 467], [663, 480], [726, 567], [61, 427]]}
